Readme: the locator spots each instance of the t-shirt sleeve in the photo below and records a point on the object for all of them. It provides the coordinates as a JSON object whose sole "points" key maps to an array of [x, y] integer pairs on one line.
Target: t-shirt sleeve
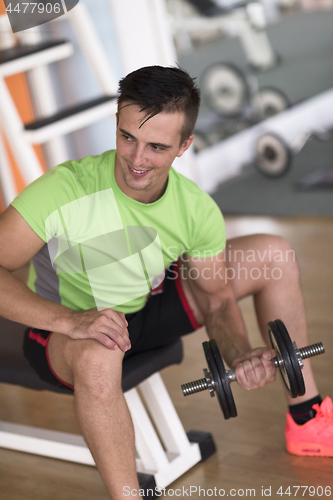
{"points": [[210, 234], [43, 197]]}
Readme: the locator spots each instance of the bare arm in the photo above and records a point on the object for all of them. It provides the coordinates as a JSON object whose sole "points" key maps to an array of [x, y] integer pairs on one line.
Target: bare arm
{"points": [[215, 297], [18, 244]]}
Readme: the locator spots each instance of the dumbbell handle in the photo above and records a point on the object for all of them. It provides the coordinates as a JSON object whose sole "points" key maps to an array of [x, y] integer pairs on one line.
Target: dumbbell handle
{"points": [[302, 353], [208, 384]]}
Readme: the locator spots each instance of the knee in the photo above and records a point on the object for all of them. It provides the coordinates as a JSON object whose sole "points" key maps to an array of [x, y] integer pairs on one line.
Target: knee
{"points": [[97, 369], [279, 255], [280, 250], [260, 248]]}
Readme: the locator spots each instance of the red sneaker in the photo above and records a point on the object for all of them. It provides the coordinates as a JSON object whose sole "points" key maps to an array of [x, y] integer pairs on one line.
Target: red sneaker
{"points": [[315, 438]]}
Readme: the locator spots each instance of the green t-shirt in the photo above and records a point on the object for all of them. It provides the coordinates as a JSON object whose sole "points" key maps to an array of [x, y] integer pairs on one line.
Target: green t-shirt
{"points": [[105, 249]]}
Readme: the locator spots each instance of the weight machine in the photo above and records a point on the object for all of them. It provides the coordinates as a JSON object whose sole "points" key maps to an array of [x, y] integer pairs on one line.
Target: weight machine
{"points": [[269, 144], [236, 102], [244, 19]]}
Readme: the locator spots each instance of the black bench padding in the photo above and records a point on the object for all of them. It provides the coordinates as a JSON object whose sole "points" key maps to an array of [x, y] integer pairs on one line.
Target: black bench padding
{"points": [[69, 111], [209, 8], [19, 51], [15, 369]]}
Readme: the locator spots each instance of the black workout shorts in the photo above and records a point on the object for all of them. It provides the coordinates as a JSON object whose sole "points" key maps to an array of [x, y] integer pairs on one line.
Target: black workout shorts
{"points": [[165, 317]]}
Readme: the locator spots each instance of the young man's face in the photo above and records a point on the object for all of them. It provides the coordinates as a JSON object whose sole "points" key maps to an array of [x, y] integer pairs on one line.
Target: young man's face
{"points": [[145, 155]]}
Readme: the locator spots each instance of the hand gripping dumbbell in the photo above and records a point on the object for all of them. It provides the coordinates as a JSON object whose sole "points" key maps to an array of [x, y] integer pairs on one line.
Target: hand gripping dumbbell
{"points": [[289, 361]]}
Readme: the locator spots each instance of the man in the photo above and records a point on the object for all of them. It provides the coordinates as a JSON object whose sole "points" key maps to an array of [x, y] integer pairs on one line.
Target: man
{"points": [[100, 231]]}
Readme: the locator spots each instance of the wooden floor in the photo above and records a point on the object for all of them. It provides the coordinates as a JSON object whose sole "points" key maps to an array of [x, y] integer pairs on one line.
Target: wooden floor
{"points": [[251, 454]]}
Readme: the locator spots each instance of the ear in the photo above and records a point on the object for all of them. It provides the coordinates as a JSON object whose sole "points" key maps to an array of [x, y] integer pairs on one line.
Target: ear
{"points": [[186, 144], [117, 118]]}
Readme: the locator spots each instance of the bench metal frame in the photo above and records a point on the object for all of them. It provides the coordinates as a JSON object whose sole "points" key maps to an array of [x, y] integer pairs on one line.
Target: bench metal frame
{"points": [[162, 446]]}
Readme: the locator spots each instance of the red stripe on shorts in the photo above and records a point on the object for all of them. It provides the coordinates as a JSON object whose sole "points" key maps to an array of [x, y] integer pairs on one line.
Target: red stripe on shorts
{"points": [[45, 343], [48, 360], [183, 299], [38, 338]]}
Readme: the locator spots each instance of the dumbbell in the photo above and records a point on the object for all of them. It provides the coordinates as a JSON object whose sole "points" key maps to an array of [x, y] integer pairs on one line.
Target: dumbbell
{"points": [[289, 361]]}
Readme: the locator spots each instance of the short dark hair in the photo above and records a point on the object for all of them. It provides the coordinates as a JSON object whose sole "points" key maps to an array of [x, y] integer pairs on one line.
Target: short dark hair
{"points": [[158, 89]]}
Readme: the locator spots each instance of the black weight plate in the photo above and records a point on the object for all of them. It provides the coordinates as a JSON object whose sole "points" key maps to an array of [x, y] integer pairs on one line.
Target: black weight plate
{"points": [[217, 381], [273, 155], [292, 355], [286, 370], [224, 378], [269, 101], [225, 89]]}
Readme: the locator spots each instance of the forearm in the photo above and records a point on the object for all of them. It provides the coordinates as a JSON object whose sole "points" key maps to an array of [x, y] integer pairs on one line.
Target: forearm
{"points": [[18, 303], [227, 327]]}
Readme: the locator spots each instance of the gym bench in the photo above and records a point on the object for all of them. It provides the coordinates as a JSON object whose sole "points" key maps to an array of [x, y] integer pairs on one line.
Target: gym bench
{"points": [[163, 455]]}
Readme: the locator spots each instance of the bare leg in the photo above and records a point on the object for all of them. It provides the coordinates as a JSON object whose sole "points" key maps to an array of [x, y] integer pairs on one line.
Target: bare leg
{"points": [[265, 267], [100, 407]]}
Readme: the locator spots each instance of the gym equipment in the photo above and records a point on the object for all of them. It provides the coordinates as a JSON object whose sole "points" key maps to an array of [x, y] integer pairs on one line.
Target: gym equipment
{"points": [[228, 158], [224, 89], [244, 19], [33, 54], [236, 102], [229, 92], [273, 156], [164, 451], [212, 129], [289, 361]]}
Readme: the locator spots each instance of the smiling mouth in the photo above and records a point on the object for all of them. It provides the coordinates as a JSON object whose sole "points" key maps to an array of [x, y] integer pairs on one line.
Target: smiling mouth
{"points": [[138, 172]]}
